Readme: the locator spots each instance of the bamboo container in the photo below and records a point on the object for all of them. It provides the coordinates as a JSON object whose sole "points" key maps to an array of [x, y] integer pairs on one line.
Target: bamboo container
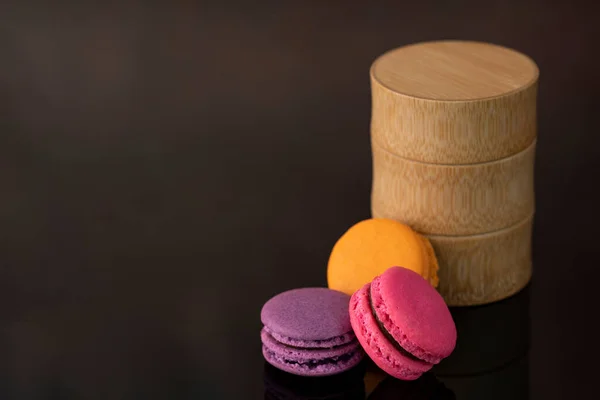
{"points": [[480, 269], [454, 102], [453, 136], [453, 200]]}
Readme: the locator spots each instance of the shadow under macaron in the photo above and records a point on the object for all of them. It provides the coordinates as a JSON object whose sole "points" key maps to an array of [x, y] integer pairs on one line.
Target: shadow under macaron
{"points": [[489, 336], [491, 358], [507, 382], [281, 385]]}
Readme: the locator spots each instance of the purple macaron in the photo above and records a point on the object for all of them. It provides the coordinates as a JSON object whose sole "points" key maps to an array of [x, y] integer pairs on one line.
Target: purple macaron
{"points": [[308, 332]]}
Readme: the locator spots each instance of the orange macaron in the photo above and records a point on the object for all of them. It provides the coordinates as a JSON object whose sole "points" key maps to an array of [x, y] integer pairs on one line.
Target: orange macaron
{"points": [[372, 246]]}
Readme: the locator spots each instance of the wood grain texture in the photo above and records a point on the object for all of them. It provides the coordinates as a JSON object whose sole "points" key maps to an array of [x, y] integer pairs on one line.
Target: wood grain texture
{"points": [[454, 102], [453, 199], [481, 269]]}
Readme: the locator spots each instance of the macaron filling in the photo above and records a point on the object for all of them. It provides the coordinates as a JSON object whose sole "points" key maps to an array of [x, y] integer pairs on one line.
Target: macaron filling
{"points": [[387, 334], [307, 331], [313, 353]]}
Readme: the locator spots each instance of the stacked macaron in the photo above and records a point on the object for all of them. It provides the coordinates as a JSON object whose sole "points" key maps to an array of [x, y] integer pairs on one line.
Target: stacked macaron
{"points": [[308, 332], [382, 301]]}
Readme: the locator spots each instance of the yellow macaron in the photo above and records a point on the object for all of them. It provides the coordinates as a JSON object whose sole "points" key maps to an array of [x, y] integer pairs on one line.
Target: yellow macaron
{"points": [[372, 246]]}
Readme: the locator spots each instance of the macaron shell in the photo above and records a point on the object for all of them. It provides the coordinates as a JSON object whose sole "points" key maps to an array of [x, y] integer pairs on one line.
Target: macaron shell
{"points": [[332, 368], [298, 354], [312, 344], [370, 247], [378, 348], [414, 314], [308, 314]]}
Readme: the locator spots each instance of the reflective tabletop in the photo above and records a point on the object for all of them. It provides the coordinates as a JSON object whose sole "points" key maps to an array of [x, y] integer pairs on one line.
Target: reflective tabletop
{"points": [[491, 361], [167, 167]]}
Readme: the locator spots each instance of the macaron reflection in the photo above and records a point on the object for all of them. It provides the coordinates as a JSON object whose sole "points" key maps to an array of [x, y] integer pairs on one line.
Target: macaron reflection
{"points": [[425, 388], [280, 385]]}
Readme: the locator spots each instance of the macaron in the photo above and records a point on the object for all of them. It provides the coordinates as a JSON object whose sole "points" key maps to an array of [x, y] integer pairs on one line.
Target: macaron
{"points": [[402, 323], [307, 332], [371, 246]]}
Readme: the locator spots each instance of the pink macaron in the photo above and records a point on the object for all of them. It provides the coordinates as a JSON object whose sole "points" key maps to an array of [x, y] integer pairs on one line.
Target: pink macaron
{"points": [[403, 323]]}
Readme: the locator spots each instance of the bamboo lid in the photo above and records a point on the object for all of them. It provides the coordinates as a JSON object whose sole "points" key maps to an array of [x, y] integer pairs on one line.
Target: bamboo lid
{"points": [[454, 102]]}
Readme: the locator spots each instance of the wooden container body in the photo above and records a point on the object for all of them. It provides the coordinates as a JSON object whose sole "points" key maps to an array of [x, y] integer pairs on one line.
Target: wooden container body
{"points": [[481, 269], [453, 136], [453, 133], [453, 199], [454, 102]]}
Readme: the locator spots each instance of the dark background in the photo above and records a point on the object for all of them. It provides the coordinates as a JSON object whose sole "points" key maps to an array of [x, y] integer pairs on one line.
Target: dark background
{"points": [[167, 168]]}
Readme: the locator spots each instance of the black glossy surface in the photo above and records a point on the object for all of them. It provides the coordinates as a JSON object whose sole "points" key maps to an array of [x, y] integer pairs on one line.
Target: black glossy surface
{"points": [[491, 361], [167, 168]]}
